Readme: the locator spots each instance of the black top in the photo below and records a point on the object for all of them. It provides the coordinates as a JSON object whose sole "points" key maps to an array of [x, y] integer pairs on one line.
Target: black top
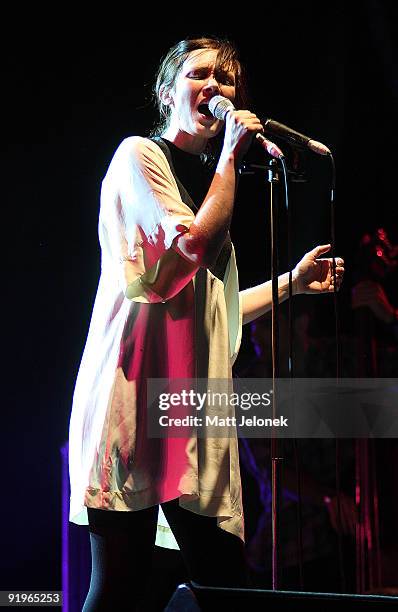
{"points": [[192, 173]]}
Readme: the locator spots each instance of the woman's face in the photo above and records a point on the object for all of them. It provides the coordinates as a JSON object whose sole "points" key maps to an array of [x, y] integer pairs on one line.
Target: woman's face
{"points": [[197, 82]]}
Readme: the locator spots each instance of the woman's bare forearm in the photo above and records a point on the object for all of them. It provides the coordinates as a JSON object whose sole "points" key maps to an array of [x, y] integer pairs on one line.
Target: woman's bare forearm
{"points": [[204, 240], [256, 301]]}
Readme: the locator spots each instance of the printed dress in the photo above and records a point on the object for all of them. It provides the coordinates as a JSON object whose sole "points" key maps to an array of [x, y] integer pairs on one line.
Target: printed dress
{"points": [[155, 316]]}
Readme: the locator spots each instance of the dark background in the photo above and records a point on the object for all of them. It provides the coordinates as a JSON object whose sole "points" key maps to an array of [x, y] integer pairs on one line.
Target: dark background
{"points": [[72, 91]]}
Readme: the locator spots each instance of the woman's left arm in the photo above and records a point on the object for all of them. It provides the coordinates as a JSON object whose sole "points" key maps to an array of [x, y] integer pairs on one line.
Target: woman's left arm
{"points": [[311, 275]]}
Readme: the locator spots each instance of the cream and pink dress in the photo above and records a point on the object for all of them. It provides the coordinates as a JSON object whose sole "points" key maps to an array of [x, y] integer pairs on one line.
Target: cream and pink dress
{"points": [[155, 316]]}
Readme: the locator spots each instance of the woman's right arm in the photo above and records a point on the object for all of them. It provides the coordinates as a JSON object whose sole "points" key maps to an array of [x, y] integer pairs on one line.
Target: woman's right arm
{"points": [[206, 235]]}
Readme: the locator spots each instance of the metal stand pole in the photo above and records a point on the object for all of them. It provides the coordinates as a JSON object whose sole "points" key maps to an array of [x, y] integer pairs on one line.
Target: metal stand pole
{"points": [[276, 460]]}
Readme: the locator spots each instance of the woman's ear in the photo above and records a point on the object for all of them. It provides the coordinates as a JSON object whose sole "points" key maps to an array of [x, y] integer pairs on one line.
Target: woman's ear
{"points": [[165, 96]]}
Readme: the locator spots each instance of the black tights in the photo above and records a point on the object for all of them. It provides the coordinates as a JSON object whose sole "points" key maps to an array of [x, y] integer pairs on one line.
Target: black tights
{"points": [[122, 546]]}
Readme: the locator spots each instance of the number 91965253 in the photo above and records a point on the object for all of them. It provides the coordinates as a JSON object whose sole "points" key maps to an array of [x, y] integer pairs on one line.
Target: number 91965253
{"points": [[30, 598]]}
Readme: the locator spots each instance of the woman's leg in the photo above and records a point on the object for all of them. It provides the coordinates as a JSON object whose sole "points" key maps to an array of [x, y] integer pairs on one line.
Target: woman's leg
{"points": [[122, 545], [213, 556]]}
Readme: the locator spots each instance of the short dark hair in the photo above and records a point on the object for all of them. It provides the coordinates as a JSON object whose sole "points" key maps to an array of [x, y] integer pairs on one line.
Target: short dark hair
{"points": [[172, 62]]}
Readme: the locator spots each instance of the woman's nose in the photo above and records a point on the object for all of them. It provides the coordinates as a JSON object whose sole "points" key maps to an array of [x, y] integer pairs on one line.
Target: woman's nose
{"points": [[212, 84]]}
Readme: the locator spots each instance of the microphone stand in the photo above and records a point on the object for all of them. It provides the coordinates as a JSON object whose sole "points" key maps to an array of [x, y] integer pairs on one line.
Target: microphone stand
{"points": [[276, 460], [297, 175]]}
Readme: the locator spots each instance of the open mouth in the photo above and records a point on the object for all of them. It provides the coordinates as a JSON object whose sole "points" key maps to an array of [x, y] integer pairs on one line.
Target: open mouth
{"points": [[203, 109]]}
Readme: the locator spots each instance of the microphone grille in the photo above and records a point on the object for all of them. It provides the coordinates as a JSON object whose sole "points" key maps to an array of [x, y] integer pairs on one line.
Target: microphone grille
{"points": [[219, 106]]}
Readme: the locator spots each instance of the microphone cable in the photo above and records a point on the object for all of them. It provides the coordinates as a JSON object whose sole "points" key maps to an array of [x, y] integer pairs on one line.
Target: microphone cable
{"points": [[338, 369], [296, 456]]}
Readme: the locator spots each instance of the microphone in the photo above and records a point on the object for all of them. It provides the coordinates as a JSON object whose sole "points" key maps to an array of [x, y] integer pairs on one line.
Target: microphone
{"points": [[286, 133], [220, 107]]}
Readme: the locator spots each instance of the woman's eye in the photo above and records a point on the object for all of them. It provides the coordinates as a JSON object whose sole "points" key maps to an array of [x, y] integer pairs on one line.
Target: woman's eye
{"points": [[227, 79], [197, 75], [204, 74]]}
